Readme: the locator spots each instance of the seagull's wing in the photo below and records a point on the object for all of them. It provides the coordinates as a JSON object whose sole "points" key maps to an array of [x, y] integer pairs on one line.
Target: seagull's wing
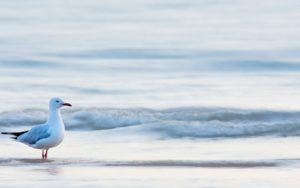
{"points": [[35, 134]]}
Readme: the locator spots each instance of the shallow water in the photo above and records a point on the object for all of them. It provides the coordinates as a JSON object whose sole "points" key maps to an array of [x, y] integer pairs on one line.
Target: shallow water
{"points": [[91, 159], [168, 163]]}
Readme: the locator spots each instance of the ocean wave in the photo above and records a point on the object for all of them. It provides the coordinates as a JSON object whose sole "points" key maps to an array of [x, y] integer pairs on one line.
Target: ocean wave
{"points": [[168, 123]]}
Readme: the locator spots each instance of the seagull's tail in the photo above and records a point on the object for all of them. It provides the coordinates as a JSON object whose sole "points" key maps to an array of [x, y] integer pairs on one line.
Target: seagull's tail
{"points": [[15, 134]]}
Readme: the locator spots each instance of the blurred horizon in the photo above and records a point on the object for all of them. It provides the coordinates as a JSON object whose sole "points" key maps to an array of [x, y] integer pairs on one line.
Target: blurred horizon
{"points": [[151, 54]]}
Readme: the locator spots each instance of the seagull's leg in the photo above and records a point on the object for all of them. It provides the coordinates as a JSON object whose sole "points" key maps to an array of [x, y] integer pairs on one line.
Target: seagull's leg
{"points": [[43, 155], [46, 154]]}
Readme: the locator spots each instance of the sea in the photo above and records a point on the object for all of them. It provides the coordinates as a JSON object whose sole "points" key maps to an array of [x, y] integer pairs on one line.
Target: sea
{"points": [[172, 93]]}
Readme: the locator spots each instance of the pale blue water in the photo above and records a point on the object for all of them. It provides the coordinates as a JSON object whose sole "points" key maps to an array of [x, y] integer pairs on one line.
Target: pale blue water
{"points": [[198, 64], [156, 71], [150, 53]]}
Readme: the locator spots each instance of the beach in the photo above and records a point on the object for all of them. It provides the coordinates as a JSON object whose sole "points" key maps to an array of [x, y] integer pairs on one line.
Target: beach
{"points": [[181, 93]]}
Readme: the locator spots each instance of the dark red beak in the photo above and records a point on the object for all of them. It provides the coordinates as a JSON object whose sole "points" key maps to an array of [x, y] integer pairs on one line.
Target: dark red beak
{"points": [[67, 104]]}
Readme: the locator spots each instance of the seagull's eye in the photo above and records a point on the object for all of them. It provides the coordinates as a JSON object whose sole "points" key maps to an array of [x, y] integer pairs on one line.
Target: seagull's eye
{"points": [[57, 101]]}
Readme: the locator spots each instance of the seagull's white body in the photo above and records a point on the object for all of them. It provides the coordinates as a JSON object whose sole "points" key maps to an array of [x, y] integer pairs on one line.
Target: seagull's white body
{"points": [[48, 135]]}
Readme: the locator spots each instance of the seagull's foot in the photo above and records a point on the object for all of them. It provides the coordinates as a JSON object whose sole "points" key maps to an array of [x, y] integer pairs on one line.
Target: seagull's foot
{"points": [[46, 154], [43, 155]]}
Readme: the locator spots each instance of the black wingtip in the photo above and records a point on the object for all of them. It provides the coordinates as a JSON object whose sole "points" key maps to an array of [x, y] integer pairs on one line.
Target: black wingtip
{"points": [[14, 137], [14, 133]]}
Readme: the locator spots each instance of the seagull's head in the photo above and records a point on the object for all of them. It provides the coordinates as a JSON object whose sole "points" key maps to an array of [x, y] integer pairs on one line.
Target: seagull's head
{"points": [[56, 103]]}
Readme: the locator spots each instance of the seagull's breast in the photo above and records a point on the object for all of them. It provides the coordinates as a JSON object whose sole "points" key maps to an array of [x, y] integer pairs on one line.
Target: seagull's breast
{"points": [[57, 136]]}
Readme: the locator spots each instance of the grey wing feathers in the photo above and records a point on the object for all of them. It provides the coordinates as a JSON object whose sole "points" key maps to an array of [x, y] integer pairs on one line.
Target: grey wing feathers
{"points": [[35, 134]]}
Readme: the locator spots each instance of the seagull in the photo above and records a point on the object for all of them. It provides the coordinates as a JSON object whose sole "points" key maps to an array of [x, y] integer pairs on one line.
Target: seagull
{"points": [[47, 135]]}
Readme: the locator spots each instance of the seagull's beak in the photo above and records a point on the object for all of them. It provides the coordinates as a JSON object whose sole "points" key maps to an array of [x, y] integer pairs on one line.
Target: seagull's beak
{"points": [[67, 104]]}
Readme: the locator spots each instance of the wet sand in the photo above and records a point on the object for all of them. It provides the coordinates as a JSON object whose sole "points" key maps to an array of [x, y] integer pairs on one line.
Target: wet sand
{"points": [[91, 159]]}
